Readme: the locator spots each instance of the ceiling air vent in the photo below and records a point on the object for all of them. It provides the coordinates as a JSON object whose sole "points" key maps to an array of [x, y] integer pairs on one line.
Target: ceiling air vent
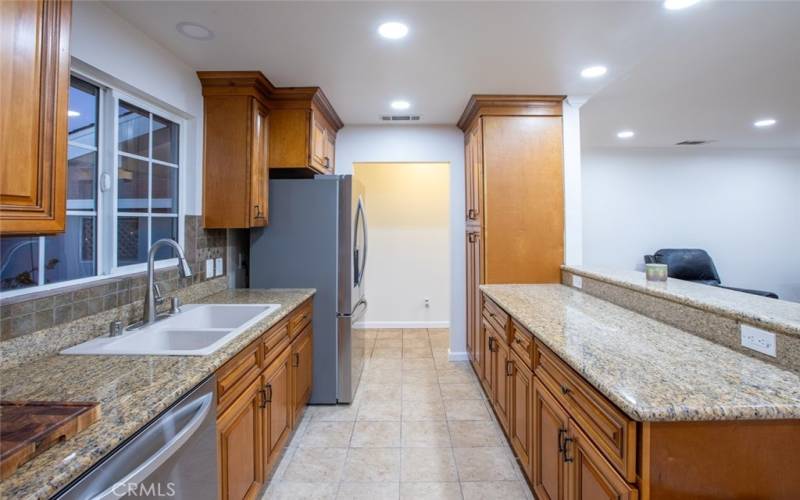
{"points": [[400, 118], [692, 143]]}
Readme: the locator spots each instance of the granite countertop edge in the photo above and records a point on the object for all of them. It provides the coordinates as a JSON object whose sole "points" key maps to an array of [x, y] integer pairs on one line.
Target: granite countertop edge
{"points": [[670, 410], [762, 320], [57, 467]]}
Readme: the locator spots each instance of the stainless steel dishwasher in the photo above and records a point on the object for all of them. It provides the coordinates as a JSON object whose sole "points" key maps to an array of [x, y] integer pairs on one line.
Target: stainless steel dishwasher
{"points": [[174, 456]]}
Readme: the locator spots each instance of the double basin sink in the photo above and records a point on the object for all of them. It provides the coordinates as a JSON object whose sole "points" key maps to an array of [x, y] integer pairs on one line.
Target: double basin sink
{"points": [[198, 330]]}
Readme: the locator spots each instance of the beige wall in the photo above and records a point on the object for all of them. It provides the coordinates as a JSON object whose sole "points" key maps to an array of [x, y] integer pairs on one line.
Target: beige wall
{"points": [[408, 211]]}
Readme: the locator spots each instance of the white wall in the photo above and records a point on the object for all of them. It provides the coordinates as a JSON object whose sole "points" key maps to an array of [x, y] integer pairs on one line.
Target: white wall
{"points": [[105, 41], [408, 210], [398, 143], [742, 206]]}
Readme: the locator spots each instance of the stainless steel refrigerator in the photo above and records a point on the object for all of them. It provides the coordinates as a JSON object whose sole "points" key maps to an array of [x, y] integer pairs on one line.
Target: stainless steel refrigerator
{"points": [[317, 238]]}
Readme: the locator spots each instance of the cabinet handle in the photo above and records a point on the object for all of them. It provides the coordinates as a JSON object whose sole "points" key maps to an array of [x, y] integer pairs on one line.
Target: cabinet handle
{"points": [[473, 237], [565, 390], [518, 341], [268, 393], [491, 344], [263, 398], [567, 440], [296, 359], [327, 162], [259, 215], [561, 434], [509, 368], [472, 214]]}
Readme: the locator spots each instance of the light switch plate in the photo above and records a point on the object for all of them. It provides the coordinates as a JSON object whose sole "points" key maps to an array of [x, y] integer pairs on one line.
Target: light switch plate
{"points": [[758, 340], [577, 281], [218, 267], [209, 268]]}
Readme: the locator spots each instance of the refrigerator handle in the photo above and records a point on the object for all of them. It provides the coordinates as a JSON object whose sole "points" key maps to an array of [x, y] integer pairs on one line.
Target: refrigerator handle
{"points": [[360, 258], [366, 239]]}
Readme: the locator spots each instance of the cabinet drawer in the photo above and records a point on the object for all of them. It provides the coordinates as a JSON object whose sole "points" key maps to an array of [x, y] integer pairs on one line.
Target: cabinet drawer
{"points": [[522, 344], [235, 375], [299, 319], [495, 314], [610, 429], [274, 342]]}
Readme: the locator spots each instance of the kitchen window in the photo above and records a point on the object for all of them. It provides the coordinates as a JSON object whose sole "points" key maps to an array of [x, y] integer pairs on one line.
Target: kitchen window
{"points": [[123, 178]]}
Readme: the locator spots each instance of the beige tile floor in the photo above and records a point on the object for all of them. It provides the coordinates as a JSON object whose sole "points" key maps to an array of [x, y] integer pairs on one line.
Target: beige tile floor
{"points": [[419, 428]]}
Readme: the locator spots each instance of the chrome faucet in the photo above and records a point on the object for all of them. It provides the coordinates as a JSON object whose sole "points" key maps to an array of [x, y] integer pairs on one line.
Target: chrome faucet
{"points": [[149, 313]]}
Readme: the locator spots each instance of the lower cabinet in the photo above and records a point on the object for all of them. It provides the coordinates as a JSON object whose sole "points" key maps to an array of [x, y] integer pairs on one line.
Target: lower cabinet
{"points": [[239, 445], [260, 405], [501, 380], [276, 408], [302, 355], [550, 422], [589, 475], [521, 425]]}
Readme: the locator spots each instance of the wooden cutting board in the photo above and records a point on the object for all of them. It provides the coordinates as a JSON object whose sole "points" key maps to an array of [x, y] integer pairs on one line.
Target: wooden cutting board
{"points": [[27, 428]]}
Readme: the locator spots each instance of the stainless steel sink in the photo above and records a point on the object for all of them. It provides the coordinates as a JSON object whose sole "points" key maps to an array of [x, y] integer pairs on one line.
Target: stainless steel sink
{"points": [[199, 330]]}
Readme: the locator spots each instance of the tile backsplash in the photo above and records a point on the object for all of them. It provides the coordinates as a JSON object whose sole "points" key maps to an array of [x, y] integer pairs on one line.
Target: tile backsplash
{"points": [[36, 311]]}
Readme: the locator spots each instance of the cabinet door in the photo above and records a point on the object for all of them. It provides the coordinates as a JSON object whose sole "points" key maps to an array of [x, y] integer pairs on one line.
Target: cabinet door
{"points": [[590, 476], [485, 355], [259, 166], [277, 410], [239, 446], [318, 140], [550, 426], [521, 410], [473, 296], [503, 372], [474, 174], [302, 371], [34, 64], [330, 152]]}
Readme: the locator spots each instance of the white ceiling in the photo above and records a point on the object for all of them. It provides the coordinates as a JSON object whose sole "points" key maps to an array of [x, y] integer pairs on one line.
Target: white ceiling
{"points": [[706, 72]]}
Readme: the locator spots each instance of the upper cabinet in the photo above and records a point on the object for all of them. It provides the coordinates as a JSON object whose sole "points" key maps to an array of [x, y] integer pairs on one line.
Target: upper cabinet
{"points": [[253, 129], [34, 70], [303, 131]]}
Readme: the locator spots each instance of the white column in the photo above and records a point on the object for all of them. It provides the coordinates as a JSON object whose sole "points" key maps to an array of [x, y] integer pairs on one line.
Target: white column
{"points": [[573, 215]]}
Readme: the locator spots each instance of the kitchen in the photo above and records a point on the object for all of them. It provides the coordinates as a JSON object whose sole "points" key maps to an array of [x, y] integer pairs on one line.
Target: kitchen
{"points": [[291, 340]]}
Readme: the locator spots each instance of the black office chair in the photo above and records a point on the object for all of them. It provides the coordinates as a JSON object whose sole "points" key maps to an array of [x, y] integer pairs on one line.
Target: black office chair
{"points": [[694, 264]]}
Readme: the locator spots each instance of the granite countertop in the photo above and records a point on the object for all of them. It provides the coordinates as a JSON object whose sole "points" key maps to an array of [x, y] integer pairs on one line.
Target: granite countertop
{"points": [[131, 390], [651, 371], [779, 315]]}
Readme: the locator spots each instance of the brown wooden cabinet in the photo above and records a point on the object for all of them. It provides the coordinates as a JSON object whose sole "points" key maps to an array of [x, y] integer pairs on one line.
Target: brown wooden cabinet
{"points": [[473, 252], [501, 389], [550, 425], [235, 150], [276, 387], [261, 393], [589, 475], [473, 175], [34, 64], [302, 358], [239, 445], [303, 131], [485, 348], [521, 407]]}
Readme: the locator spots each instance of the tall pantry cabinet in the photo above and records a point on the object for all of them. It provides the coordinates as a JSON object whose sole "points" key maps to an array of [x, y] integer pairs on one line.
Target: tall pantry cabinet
{"points": [[514, 210]]}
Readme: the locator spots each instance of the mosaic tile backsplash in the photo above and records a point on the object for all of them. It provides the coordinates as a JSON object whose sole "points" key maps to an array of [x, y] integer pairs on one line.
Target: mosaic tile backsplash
{"points": [[26, 314]]}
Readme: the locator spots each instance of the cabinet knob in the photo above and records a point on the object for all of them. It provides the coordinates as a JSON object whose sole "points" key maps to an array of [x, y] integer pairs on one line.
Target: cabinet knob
{"points": [[565, 390]]}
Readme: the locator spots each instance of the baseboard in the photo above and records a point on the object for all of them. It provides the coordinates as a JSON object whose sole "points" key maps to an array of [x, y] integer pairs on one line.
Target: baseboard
{"points": [[378, 325], [457, 356]]}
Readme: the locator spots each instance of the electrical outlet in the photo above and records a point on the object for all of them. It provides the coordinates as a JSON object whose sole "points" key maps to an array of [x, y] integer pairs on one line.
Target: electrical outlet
{"points": [[427, 302], [577, 281], [209, 268], [758, 340]]}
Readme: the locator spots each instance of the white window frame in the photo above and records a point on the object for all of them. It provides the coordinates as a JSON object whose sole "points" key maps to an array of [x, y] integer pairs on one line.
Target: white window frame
{"points": [[106, 207]]}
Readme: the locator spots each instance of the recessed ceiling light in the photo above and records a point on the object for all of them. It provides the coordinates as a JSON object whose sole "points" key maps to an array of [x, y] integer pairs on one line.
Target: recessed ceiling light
{"points": [[678, 4], [393, 30], [194, 31], [400, 105], [594, 71], [766, 122], [625, 134], [72, 114]]}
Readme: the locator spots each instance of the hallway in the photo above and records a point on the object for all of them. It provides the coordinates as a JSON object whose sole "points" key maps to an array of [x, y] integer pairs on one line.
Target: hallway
{"points": [[419, 428]]}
